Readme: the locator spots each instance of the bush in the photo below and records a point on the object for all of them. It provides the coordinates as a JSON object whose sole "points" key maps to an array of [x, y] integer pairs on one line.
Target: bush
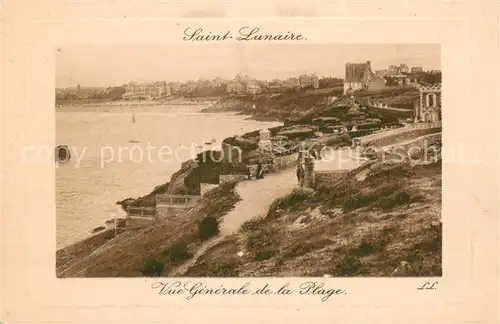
{"points": [[264, 255], [295, 197], [396, 199], [178, 253], [208, 227], [152, 268], [348, 266]]}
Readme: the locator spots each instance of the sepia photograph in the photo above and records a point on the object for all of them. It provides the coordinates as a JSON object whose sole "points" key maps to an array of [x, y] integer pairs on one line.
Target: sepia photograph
{"points": [[245, 160]]}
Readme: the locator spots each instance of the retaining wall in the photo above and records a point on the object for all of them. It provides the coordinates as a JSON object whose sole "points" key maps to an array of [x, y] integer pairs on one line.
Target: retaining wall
{"points": [[206, 187], [284, 162], [414, 148], [231, 178], [139, 221], [401, 137]]}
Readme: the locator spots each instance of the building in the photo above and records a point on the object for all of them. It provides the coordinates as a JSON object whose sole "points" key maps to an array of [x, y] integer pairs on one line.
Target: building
{"points": [[357, 76], [306, 80], [428, 109], [175, 87], [236, 87], [417, 69], [147, 90], [291, 83], [403, 68], [253, 87], [376, 83], [393, 70]]}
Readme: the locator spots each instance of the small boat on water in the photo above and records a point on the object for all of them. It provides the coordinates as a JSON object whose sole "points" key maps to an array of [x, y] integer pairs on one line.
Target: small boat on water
{"points": [[63, 153]]}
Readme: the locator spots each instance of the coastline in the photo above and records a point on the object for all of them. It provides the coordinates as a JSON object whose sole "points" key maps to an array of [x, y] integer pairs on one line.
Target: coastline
{"points": [[241, 105]]}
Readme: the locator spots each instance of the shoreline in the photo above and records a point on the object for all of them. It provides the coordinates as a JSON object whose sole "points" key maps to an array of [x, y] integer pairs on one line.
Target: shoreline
{"points": [[226, 104]]}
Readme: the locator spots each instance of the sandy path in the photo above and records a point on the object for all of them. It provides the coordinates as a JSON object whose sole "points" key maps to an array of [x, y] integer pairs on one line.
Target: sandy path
{"points": [[256, 197]]}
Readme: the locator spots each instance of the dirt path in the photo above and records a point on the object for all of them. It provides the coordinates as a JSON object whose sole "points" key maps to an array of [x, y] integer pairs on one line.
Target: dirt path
{"points": [[256, 197]]}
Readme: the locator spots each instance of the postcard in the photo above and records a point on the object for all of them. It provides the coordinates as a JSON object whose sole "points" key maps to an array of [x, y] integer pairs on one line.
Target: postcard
{"points": [[327, 167]]}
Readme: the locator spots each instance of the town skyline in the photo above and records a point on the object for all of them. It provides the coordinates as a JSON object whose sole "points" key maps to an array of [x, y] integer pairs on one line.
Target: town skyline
{"points": [[101, 66]]}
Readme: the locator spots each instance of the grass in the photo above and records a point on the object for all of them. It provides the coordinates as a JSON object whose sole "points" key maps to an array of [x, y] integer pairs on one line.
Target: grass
{"points": [[169, 242], [383, 220]]}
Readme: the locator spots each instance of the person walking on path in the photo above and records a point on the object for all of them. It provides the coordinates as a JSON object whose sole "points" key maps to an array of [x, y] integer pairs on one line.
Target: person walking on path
{"points": [[260, 172], [300, 174]]}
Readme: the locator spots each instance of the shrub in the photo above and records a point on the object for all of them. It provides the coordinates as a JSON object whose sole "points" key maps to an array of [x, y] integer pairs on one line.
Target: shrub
{"points": [[264, 255], [295, 197], [152, 268], [396, 199], [208, 227], [178, 252], [348, 265]]}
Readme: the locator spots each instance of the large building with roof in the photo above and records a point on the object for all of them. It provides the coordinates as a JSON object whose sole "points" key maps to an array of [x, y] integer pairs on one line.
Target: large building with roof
{"points": [[360, 76]]}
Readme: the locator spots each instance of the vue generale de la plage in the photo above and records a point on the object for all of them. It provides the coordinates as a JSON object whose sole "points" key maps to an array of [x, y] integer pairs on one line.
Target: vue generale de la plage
{"points": [[242, 34]]}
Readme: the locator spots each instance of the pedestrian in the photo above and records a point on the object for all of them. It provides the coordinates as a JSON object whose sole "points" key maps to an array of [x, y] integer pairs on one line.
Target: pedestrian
{"points": [[260, 172], [300, 174]]}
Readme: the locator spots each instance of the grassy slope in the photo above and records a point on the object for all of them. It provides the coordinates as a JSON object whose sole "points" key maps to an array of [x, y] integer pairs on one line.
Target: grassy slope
{"points": [[355, 229], [126, 256]]}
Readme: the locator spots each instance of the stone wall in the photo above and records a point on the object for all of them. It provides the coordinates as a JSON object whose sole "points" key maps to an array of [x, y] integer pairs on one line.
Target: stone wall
{"points": [[415, 148], [139, 221], [206, 187], [164, 211], [402, 137], [225, 178], [328, 178], [284, 162]]}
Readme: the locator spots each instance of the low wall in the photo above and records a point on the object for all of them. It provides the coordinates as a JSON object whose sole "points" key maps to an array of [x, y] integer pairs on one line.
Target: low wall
{"points": [[163, 211], [139, 221], [284, 162], [267, 168], [328, 178], [367, 139], [402, 137], [206, 187], [226, 178], [414, 148]]}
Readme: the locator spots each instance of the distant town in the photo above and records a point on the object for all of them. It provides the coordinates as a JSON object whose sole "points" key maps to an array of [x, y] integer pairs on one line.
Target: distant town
{"points": [[358, 76]]}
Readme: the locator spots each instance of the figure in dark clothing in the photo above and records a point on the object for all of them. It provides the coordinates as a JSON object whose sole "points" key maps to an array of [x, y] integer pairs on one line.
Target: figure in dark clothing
{"points": [[260, 172], [300, 174], [313, 154]]}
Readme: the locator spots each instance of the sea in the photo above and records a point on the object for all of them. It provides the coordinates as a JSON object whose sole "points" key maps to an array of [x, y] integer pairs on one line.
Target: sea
{"points": [[113, 157]]}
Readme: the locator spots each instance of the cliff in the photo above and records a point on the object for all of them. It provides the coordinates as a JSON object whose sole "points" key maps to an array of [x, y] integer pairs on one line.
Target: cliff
{"points": [[166, 242]]}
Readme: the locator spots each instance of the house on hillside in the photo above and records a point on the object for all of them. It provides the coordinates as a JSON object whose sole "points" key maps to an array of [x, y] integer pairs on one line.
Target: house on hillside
{"points": [[253, 87], [290, 83], [147, 90], [393, 70], [376, 83], [235, 87], [309, 81], [403, 68], [359, 76], [416, 69]]}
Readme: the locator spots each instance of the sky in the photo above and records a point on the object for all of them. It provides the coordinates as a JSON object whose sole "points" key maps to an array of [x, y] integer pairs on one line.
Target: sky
{"points": [[115, 65]]}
